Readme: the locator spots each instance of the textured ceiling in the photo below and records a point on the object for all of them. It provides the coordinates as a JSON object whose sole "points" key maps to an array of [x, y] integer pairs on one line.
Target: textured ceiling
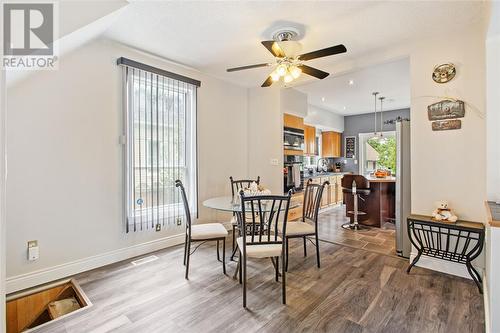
{"points": [[351, 93], [212, 36]]}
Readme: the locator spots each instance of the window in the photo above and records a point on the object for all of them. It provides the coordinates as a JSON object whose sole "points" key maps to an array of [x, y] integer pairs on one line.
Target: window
{"points": [[375, 154], [160, 145]]}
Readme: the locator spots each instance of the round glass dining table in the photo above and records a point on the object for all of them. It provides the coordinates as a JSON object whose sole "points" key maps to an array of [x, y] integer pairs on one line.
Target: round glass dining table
{"points": [[227, 204]]}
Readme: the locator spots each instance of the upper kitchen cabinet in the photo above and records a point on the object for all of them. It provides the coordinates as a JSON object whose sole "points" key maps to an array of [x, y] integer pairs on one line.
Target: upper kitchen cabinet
{"points": [[310, 140], [293, 121], [331, 144]]}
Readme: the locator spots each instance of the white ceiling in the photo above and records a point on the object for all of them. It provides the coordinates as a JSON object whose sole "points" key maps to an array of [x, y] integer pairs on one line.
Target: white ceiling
{"points": [[213, 36], [392, 80]]}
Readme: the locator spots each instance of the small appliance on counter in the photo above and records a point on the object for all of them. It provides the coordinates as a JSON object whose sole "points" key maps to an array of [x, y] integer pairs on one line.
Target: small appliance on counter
{"points": [[337, 167]]}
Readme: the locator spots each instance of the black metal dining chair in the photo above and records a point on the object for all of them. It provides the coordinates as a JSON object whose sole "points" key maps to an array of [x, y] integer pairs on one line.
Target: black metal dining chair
{"points": [[236, 187], [201, 233], [309, 224], [260, 239]]}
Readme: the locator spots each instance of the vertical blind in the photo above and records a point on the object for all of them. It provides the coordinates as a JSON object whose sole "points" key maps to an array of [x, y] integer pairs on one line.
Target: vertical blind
{"points": [[160, 146]]}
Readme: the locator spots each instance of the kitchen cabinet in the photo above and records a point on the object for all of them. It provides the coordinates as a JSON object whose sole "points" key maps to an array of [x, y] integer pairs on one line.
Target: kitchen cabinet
{"points": [[332, 194], [326, 198], [333, 190], [293, 121], [309, 140], [340, 195], [296, 212], [331, 144]]}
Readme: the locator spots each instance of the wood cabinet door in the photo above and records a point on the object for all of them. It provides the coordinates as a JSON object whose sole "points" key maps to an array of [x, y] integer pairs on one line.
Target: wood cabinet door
{"points": [[325, 199], [331, 144], [326, 144], [309, 140], [333, 188], [293, 121], [340, 195]]}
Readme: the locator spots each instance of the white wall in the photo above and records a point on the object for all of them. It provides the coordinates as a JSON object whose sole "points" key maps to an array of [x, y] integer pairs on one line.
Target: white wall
{"points": [[65, 163], [449, 165], [493, 116], [265, 141], [324, 119], [2, 200], [293, 102], [492, 245]]}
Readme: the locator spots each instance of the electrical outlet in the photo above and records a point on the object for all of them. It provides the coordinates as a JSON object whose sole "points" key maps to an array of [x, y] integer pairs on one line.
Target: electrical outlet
{"points": [[274, 161], [179, 221], [158, 227], [33, 250]]}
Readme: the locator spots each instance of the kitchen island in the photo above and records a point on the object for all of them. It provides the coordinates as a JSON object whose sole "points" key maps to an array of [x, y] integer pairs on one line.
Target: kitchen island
{"points": [[379, 205]]}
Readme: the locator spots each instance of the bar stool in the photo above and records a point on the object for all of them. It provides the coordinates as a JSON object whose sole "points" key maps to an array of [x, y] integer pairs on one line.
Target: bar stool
{"points": [[357, 186]]}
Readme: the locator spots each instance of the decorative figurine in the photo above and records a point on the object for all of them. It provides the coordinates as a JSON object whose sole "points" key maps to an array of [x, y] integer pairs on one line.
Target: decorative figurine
{"points": [[443, 213]]}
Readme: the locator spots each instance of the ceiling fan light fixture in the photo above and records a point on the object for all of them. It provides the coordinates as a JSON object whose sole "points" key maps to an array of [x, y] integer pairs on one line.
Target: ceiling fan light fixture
{"points": [[281, 70], [290, 47], [275, 76], [288, 78], [295, 71]]}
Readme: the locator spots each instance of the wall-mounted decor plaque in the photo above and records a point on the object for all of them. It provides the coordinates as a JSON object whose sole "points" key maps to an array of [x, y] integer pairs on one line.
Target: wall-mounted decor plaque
{"points": [[350, 146], [444, 73], [446, 109], [444, 125]]}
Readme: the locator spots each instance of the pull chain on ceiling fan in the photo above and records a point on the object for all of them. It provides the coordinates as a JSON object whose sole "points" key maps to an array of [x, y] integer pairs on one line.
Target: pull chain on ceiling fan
{"points": [[288, 65]]}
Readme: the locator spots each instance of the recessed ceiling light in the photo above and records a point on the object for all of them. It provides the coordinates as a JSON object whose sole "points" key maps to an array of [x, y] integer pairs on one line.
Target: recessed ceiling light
{"points": [[345, 107], [351, 82], [322, 99]]}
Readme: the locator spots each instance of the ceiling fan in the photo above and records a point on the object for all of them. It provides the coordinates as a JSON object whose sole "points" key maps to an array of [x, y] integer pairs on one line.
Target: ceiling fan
{"points": [[289, 64]]}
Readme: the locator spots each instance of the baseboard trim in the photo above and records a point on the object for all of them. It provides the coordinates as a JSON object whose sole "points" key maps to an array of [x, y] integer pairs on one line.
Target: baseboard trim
{"points": [[32, 279], [442, 266], [487, 315]]}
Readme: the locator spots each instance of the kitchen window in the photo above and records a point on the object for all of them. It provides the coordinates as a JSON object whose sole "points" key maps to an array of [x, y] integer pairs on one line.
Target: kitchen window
{"points": [[160, 147], [377, 154]]}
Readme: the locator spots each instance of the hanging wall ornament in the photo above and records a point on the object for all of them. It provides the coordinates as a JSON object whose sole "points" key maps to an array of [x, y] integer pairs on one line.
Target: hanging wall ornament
{"points": [[444, 73]]}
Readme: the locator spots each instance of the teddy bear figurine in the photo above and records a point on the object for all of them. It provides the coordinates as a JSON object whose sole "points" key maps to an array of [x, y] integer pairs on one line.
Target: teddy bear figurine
{"points": [[443, 213]]}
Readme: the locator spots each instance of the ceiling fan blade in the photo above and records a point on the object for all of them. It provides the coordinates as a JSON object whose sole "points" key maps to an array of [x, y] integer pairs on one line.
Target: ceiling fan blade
{"points": [[323, 52], [313, 72], [274, 48], [247, 67], [268, 82]]}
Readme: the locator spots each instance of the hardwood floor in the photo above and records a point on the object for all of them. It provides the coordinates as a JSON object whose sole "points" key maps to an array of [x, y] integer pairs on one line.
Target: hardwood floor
{"points": [[354, 291], [381, 240]]}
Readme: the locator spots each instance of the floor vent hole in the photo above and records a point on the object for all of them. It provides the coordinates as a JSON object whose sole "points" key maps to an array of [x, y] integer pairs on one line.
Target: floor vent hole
{"points": [[144, 260]]}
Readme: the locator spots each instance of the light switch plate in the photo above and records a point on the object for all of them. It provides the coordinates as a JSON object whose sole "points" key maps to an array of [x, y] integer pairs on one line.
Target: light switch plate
{"points": [[274, 161], [33, 250]]}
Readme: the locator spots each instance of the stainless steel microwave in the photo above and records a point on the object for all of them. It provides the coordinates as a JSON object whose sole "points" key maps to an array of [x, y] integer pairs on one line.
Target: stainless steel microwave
{"points": [[293, 138]]}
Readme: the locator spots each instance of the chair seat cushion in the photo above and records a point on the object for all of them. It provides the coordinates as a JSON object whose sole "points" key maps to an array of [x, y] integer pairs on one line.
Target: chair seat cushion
{"points": [[260, 250], [208, 231], [299, 228]]}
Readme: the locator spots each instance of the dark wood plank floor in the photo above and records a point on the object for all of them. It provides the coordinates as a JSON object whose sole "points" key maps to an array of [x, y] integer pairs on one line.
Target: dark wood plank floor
{"points": [[381, 240], [354, 291]]}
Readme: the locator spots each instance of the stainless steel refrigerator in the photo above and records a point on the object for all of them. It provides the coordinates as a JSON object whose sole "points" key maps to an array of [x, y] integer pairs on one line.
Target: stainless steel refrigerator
{"points": [[403, 184]]}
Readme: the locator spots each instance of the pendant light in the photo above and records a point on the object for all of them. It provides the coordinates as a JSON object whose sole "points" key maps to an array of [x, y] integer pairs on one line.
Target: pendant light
{"points": [[375, 134], [381, 98]]}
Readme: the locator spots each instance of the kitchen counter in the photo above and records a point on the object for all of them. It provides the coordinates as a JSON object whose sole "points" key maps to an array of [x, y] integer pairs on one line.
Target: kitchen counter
{"points": [[381, 180], [493, 211], [324, 174], [379, 205]]}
